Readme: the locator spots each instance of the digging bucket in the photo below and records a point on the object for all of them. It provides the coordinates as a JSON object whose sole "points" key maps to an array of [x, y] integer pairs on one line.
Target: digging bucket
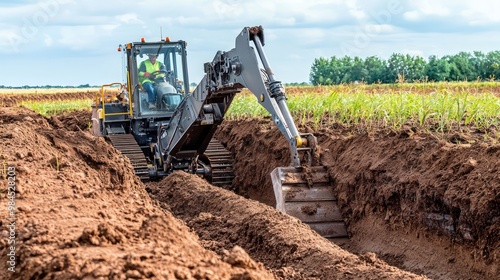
{"points": [[306, 194]]}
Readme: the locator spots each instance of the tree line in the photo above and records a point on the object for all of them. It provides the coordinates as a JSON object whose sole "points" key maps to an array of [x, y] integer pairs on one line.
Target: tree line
{"points": [[463, 66]]}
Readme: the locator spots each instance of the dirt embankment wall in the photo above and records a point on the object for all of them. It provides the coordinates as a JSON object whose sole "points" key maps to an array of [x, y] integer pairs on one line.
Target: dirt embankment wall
{"points": [[441, 188]]}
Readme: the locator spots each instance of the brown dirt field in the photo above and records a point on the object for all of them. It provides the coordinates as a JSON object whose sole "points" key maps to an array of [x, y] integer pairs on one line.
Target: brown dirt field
{"points": [[416, 207], [9, 100]]}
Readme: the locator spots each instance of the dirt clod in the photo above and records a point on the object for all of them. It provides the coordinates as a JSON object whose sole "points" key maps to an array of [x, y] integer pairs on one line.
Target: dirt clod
{"points": [[309, 210]]}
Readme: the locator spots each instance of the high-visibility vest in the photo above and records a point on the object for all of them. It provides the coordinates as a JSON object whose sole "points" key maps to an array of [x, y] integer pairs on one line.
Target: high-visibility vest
{"points": [[147, 66]]}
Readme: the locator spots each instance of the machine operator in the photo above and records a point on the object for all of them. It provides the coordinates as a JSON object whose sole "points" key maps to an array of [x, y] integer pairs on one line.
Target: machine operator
{"points": [[147, 75]]}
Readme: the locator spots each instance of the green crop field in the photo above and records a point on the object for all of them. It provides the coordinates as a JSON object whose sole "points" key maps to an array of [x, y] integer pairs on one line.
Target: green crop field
{"points": [[439, 107], [442, 106]]}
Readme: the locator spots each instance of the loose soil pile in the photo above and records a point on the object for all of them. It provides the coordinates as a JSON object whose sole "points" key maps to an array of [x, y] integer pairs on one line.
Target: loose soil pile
{"points": [[82, 213], [284, 244], [415, 206]]}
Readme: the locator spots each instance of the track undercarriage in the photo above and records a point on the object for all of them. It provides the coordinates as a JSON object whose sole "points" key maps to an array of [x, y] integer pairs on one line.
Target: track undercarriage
{"points": [[217, 162]]}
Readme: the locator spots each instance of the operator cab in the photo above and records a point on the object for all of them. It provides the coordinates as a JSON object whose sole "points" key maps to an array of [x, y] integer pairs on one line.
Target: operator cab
{"points": [[169, 83]]}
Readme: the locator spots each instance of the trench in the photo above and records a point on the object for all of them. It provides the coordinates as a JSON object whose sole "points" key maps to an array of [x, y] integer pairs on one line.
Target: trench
{"points": [[401, 217], [396, 207]]}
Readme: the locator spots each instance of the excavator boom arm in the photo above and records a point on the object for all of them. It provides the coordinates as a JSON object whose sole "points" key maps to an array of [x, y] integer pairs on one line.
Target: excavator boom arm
{"points": [[302, 191], [184, 134], [197, 117]]}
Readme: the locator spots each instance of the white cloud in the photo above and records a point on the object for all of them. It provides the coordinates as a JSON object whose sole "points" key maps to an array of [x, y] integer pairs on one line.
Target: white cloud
{"points": [[358, 14], [313, 35], [88, 37], [379, 28], [431, 8], [9, 44], [48, 40], [412, 15], [129, 18], [479, 12], [296, 31]]}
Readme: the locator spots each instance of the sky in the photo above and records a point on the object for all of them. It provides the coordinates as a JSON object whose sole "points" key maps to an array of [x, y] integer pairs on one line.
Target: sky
{"points": [[69, 42]]}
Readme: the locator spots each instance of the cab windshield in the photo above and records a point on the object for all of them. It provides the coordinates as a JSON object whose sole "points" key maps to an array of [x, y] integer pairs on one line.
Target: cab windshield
{"points": [[160, 73]]}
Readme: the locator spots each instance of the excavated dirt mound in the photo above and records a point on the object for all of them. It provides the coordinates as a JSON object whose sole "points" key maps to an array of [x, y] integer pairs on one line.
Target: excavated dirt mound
{"points": [[74, 121], [9, 100], [289, 247], [428, 205], [82, 213]]}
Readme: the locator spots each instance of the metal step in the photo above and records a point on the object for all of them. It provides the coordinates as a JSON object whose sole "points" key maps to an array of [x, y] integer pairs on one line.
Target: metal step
{"points": [[306, 193], [115, 130]]}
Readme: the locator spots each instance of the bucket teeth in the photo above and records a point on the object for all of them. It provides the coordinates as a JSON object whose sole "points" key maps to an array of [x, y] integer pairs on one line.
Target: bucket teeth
{"points": [[306, 194]]}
